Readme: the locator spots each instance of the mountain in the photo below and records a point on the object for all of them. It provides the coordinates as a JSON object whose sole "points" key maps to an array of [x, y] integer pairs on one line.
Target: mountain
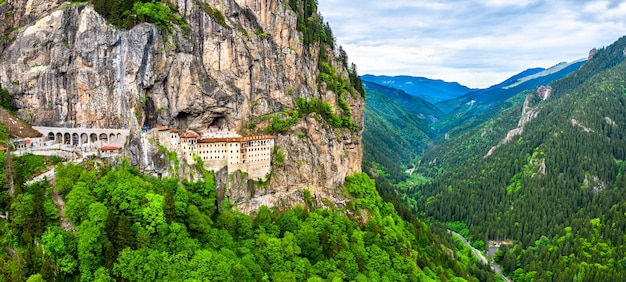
{"points": [[396, 127], [393, 125], [546, 174], [266, 68], [430, 90], [467, 107], [426, 111], [81, 64]]}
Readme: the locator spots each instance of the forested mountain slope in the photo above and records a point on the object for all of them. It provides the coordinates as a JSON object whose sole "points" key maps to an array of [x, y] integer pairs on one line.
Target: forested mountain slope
{"points": [[465, 108], [431, 90], [393, 138], [396, 127], [555, 184]]}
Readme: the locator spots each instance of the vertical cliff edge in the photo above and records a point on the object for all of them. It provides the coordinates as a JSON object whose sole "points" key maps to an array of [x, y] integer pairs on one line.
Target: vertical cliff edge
{"points": [[251, 70]]}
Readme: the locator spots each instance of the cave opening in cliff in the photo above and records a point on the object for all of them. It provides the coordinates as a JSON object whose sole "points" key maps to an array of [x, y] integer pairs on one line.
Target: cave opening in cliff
{"points": [[182, 120], [220, 122]]}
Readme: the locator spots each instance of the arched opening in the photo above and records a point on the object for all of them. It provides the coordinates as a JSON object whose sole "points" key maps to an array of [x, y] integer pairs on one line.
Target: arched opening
{"points": [[112, 137], [75, 139], [66, 138], [59, 138], [50, 136], [93, 138], [119, 137], [84, 139], [104, 138]]}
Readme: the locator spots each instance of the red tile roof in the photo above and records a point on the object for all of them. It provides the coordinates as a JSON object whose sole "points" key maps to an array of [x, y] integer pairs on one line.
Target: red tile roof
{"points": [[110, 148], [189, 134], [235, 139]]}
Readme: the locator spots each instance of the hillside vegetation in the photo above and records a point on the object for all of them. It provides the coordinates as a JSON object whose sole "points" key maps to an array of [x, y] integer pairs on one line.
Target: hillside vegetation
{"points": [[466, 108], [130, 227], [395, 140], [397, 128], [558, 189]]}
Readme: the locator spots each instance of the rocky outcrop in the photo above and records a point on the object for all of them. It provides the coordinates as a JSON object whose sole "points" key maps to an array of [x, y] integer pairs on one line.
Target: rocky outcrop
{"points": [[529, 112], [65, 66], [592, 53]]}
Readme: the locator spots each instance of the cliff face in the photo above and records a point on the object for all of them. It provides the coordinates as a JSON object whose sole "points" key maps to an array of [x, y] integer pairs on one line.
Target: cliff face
{"points": [[65, 66]]}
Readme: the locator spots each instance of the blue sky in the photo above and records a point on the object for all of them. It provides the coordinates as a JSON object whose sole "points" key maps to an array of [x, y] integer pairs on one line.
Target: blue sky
{"points": [[477, 43]]}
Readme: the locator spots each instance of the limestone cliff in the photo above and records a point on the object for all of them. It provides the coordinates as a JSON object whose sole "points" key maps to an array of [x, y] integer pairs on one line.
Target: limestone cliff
{"points": [[65, 66]]}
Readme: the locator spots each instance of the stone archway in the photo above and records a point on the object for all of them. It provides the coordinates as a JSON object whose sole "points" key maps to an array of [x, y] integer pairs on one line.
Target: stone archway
{"points": [[67, 139], [84, 139], [75, 140], [112, 137], [50, 136], [104, 138], [93, 138], [59, 138]]}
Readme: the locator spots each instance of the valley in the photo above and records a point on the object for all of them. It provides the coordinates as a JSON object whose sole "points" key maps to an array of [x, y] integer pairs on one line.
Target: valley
{"points": [[234, 140], [201, 141], [536, 159]]}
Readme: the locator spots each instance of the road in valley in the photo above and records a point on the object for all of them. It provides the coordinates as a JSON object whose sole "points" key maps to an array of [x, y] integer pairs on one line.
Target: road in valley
{"points": [[490, 252], [477, 253]]}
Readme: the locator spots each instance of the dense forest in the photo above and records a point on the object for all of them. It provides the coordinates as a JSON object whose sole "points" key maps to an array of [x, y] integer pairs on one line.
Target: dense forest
{"points": [[558, 190], [120, 225], [394, 134]]}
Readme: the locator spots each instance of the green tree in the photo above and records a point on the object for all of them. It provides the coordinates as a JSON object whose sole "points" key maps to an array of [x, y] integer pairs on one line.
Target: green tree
{"points": [[153, 215], [92, 241], [169, 206], [78, 203], [61, 247]]}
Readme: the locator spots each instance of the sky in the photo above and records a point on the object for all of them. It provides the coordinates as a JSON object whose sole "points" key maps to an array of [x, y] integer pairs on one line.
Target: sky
{"points": [[477, 43]]}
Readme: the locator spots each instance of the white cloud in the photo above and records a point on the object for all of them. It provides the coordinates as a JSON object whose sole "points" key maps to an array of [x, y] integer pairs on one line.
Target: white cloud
{"points": [[477, 43], [508, 3]]}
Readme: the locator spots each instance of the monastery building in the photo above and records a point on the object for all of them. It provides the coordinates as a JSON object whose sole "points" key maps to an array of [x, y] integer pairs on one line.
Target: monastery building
{"points": [[220, 147]]}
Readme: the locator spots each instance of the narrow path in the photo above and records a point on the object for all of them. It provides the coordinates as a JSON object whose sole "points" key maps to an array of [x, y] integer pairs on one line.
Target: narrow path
{"points": [[58, 201], [48, 175]]}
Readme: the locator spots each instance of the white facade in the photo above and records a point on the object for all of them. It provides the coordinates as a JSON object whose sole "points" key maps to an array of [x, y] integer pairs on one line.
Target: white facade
{"points": [[222, 148]]}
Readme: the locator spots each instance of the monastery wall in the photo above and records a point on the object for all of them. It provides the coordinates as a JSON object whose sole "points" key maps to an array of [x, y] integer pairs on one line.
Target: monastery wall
{"points": [[250, 154]]}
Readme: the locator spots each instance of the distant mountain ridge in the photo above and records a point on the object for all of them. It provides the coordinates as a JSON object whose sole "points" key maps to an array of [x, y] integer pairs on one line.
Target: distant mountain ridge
{"points": [[431, 90], [464, 108], [401, 124], [427, 112]]}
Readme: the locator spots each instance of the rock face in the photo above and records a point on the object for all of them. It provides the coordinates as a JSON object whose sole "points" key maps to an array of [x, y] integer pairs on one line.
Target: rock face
{"points": [[65, 66], [530, 110]]}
